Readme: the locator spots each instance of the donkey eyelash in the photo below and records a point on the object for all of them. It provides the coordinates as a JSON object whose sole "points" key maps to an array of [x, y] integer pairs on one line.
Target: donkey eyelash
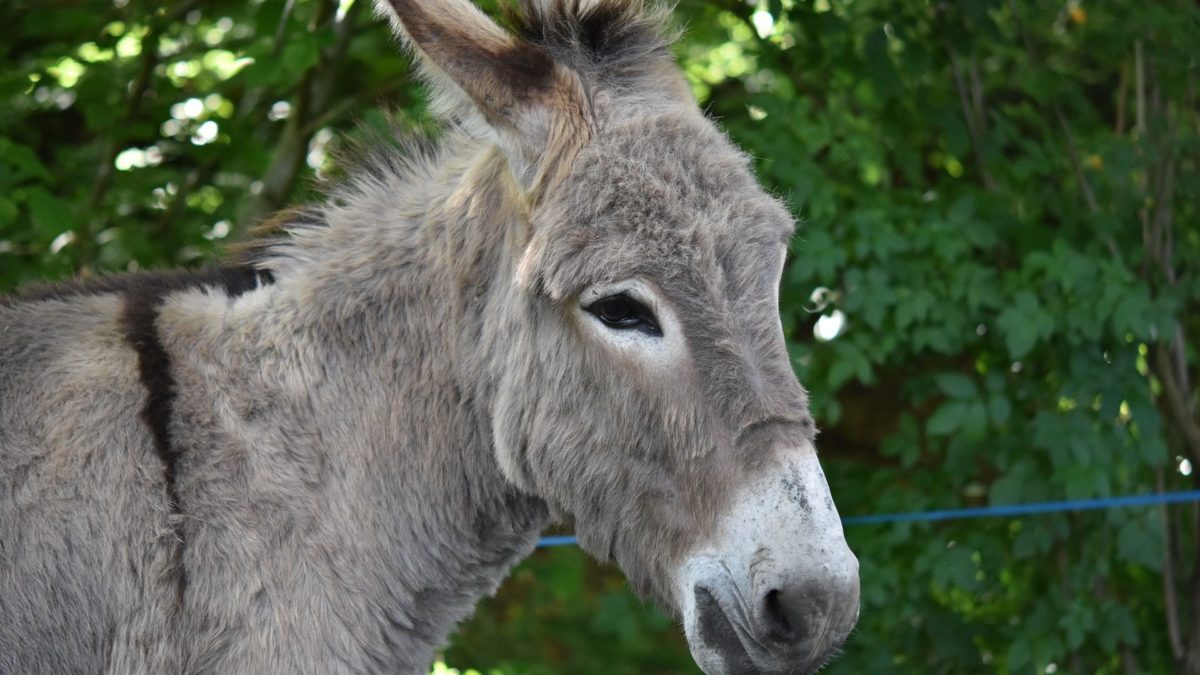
{"points": [[622, 312]]}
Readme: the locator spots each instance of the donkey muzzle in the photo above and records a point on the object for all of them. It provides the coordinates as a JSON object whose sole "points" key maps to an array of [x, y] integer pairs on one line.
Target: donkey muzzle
{"points": [[777, 589], [795, 628]]}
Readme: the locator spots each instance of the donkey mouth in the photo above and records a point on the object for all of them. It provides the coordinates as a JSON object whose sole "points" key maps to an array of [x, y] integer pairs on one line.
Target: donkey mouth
{"points": [[722, 635], [726, 632]]}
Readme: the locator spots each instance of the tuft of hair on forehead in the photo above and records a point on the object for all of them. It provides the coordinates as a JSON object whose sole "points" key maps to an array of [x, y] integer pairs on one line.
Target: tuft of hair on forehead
{"points": [[603, 38]]}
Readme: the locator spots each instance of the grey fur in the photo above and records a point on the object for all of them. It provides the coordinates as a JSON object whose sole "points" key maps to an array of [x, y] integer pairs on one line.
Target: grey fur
{"points": [[365, 442]]}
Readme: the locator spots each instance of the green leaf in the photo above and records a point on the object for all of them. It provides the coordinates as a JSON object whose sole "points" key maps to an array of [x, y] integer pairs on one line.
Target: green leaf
{"points": [[1154, 450], [51, 215], [18, 163], [8, 211], [1077, 624], [840, 373], [957, 386], [946, 419], [999, 409], [974, 421], [1024, 323], [1141, 542]]}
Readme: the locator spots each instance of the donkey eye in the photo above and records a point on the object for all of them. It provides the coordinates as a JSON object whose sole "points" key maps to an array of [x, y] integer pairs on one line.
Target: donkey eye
{"points": [[621, 312]]}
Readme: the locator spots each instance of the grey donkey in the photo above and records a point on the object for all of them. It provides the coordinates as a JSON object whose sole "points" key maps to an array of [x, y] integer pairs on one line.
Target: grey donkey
{"points": [[319, 457]]}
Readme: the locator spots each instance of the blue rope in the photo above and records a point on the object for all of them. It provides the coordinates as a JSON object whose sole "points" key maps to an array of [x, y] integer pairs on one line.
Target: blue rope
{"points": [[1028, 509], [557, 540], [988, 511]]}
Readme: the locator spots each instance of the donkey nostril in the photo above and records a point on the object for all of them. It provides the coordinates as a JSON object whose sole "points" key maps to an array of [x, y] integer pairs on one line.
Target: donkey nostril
{"points": [[779, 624]]}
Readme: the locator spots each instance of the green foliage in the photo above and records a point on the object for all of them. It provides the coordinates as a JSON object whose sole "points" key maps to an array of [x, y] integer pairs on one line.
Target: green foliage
{"points": [[980, 194], [560, 612], [997, 197]]}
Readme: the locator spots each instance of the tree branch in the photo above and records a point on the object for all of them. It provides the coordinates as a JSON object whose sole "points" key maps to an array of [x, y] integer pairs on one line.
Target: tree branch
{"points": [[1139, 76], [281, 26], [1178, 406], [346, 105], [1122, 93], [1085, 187], [1170, 589], [972, 107], [311, 104]]}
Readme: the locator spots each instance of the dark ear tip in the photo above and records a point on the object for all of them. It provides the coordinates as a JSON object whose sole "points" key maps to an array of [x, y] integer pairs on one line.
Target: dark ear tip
{"points": [[490, 64], [527, 68]]}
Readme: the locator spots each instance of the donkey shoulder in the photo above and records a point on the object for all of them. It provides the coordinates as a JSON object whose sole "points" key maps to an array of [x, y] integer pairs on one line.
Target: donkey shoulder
{"points": [[85, 521]]}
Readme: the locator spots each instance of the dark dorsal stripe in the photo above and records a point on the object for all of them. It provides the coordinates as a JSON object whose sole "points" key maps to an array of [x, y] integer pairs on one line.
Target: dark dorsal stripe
{"points": [[235, 279], [144, 295]]}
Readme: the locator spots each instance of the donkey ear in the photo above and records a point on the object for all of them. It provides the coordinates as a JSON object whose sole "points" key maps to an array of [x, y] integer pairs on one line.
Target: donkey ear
{"points": [[460, 48], [536, 106]]}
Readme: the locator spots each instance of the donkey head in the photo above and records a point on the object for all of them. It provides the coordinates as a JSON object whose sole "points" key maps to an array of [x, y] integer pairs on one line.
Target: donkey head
{"points": [[639, 379]]}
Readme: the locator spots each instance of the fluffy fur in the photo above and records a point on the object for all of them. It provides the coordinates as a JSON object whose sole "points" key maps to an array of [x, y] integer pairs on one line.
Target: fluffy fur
{"points": [[321, 465]]}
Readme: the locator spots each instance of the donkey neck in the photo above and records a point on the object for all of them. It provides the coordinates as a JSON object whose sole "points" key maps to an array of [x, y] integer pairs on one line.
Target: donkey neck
{"points": [[348, 436]]}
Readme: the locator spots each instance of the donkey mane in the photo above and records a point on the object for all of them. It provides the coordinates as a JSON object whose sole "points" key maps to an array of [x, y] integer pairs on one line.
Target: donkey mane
{"points": [[613, 39], [393, 156]]}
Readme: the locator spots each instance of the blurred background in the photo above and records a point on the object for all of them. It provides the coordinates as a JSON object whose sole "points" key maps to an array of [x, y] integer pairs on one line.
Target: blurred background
{"points": [[993, 297]]}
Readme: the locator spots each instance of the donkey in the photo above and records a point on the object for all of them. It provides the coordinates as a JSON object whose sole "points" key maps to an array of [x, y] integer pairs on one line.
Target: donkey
{"points": [[320, 456]]}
